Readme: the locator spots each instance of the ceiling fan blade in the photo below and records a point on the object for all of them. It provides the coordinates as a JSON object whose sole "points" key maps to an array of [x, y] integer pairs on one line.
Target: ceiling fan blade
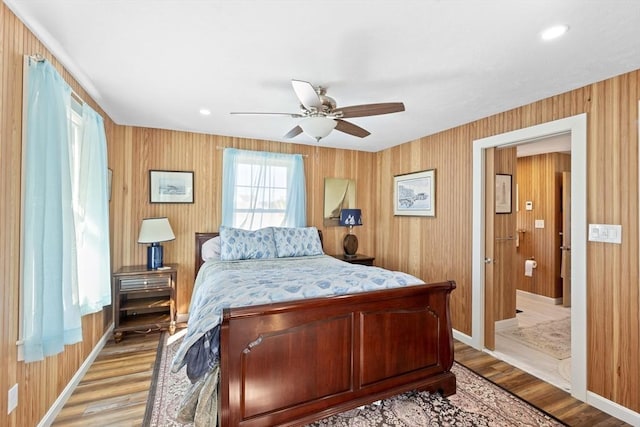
{"points": [[294, 132], [370, 109], [294, 115], [351, 129], [306, 94]]}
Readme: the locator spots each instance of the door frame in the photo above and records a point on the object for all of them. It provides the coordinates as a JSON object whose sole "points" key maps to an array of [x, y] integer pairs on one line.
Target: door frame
{"points": [[577, 127]]}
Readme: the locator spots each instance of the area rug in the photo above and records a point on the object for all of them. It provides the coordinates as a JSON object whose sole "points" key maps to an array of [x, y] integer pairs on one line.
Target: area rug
{"points": [[477, 402], [552, 337]]}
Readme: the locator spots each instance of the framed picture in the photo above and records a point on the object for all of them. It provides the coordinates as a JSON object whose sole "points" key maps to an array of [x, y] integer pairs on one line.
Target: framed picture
{"points": [[170, 186], [503, 194], [414, 194]]}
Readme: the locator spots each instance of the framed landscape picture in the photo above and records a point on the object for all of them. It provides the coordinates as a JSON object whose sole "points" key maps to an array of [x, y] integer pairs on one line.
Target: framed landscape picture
{"points": [[170, 186], [414, 194]]}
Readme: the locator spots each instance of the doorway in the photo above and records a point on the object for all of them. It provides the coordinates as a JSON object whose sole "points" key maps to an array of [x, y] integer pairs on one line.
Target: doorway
{"points": [[532, 328], [576, 126]]}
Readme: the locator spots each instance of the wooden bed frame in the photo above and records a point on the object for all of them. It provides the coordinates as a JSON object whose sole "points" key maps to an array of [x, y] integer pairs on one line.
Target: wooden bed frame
{"points": [[296, 362]]}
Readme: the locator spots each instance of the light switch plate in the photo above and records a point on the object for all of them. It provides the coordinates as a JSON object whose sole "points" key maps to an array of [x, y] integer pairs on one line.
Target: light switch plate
{"points": [[606, 233], [539, 223]]}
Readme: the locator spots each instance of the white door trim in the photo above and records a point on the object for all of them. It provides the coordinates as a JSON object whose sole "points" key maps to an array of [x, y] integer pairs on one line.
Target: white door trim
{"points": [[577, 126]]}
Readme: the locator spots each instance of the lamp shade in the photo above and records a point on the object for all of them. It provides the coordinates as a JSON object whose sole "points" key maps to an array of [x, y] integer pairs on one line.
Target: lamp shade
{"points": [[154, 230], [318, 127], [350, 217]]}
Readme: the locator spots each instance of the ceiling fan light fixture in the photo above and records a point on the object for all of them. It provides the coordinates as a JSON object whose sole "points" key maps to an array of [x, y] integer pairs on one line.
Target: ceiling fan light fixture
{"points": [[317, 127]]}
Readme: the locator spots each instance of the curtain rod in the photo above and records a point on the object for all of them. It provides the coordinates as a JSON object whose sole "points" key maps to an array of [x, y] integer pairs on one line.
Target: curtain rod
{"points": [[220, 147], [38, 57]]}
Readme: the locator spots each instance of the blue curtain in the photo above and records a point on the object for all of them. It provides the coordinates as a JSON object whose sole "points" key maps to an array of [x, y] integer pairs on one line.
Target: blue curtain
{"points": [[263, 173], [92, 215], [51, 313]]}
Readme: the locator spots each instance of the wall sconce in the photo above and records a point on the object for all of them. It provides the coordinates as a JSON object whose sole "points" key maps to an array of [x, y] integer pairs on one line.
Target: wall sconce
{"points": [[154, 231], [350, 218]]}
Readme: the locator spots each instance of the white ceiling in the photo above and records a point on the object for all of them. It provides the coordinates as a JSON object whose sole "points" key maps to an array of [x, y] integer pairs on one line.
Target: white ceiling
{"points": [[157, 63]]}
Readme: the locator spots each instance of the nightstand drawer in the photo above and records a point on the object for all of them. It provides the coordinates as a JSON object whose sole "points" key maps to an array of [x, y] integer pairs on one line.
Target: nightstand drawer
{"points": [[142, 283]]}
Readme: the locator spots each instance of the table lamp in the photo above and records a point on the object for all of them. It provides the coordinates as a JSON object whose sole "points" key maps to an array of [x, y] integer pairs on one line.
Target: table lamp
{"points": [[154, 231], [350, 218]]}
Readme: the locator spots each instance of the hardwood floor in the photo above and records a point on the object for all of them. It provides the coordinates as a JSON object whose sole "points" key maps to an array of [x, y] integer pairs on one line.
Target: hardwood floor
{"points": [[545, 396], [114, 391]]}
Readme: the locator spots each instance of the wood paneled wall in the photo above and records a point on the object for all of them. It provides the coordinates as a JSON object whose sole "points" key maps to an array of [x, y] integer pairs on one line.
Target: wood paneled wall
{"points": [[440, 248], [137, 150], [431, 248], [40, 383], [540, 181]]}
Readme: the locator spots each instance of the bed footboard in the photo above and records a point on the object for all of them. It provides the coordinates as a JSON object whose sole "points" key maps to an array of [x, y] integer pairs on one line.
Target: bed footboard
{"points": [[293, 363]]}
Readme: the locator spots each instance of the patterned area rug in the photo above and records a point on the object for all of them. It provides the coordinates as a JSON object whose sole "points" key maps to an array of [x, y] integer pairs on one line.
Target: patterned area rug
{"points": [[478, 402], [552, 338]]}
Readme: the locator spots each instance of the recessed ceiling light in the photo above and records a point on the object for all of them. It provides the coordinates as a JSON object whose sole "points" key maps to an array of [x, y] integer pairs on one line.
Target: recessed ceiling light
{"points": [[205, 112], [554, 32]]}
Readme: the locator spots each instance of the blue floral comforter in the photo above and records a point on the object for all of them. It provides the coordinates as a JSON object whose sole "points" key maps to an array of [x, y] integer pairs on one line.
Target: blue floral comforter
{"points": [[223, 284]]}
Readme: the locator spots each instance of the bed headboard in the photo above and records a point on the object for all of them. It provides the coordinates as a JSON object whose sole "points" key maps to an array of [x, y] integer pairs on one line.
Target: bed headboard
{"points": [[202, 237]]}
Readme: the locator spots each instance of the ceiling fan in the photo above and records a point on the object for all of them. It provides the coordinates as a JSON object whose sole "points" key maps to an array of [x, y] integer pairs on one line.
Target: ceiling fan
{"points": [[321, 115]]}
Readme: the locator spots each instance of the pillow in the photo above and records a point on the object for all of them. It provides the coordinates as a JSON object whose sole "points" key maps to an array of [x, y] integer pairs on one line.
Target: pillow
{"points": [[293, 242], [236, 244], [211, 249]]}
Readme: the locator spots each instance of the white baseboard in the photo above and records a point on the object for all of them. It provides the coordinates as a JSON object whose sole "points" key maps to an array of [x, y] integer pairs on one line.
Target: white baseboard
{"points": [[57, 406], [613, 408], [536, 297], [463, 338]]}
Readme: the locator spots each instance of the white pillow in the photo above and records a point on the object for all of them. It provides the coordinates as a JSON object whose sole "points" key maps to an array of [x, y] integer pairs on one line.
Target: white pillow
{"points": [[211, 249]]}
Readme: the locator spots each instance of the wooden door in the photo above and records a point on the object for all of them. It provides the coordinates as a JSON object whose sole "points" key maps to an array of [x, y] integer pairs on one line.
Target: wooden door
{"points": [[500, 243], [489, 241], [565, 249]]}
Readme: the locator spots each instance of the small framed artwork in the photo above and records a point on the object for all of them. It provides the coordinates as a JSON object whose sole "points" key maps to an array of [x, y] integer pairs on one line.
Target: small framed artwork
{"points": [[170, 186], [414, 194], [503, 194], [339, 193]]}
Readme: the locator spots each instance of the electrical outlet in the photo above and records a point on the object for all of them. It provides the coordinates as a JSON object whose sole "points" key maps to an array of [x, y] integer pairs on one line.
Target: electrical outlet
{"points": [[13, 398]]}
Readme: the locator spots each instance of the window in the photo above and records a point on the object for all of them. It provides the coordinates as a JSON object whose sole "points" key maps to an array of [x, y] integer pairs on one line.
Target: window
{"points": [[65, 225], [262, 189]]}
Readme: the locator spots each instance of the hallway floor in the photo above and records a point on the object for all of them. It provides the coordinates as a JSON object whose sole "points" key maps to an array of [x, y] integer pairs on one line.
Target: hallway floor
{"points": [[542, 365]]}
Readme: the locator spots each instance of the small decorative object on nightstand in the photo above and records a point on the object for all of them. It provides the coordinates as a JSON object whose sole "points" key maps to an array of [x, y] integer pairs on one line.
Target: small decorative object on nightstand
{"points": [[144, 300], [350, 218], [356, 259]]}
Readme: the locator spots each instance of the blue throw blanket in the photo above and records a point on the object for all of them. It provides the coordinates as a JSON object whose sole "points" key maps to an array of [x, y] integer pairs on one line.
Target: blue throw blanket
{"points": [[223, 284]]}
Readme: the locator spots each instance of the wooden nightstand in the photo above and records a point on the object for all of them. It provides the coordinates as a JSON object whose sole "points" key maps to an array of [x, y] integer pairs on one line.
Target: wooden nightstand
{"points": [[356, 259], [144, 300]]}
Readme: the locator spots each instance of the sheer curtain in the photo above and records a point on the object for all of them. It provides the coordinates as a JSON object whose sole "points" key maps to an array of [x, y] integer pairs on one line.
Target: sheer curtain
{"points": [[51, 312], [65, 229], [91, 206], [261, 189]]}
